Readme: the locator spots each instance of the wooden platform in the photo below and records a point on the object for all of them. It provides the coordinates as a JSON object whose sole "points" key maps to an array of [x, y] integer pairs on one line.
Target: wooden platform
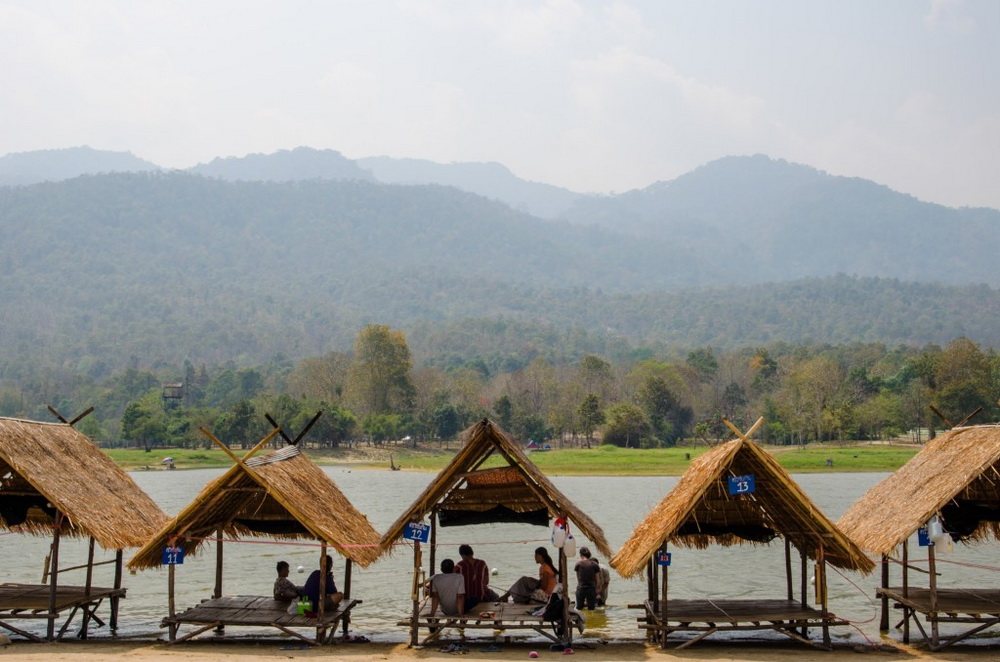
{"points": [[31, 601], [506, 616], [705, 617], [257, 611], [977, 607]]}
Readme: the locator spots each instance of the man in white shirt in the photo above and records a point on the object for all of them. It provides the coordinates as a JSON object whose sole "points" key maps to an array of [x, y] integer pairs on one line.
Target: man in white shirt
{"points": [[448, 591]]}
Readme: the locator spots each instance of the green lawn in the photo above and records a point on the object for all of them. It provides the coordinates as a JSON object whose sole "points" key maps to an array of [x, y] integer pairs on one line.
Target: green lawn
{"points": [[603, 460], [137, 458]]}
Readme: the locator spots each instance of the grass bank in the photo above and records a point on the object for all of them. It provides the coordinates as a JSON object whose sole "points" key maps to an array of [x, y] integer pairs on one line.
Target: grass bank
{"points": [[603, 460]]}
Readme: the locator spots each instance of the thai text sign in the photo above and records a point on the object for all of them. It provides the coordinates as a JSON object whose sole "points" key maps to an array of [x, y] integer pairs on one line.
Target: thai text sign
{"points": [[741, 484], [417, 532]]}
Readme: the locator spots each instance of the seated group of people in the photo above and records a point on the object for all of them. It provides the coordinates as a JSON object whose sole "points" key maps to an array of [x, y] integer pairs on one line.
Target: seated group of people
{"points": [[459, 587], [285, 590]]}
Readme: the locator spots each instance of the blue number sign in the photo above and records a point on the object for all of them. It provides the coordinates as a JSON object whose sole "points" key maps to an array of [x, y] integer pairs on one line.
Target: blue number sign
{"points": [[417, 532], [923, 537], [173, 556], [742, 484], [663, 558]]}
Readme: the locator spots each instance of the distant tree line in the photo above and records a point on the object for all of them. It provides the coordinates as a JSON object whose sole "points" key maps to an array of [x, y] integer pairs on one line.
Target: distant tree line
{"points": [[377, 393]]}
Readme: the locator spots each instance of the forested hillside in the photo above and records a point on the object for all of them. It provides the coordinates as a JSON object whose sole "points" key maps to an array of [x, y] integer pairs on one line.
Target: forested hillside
{"points": [[772, 221], [164, 267], [261, 296]]}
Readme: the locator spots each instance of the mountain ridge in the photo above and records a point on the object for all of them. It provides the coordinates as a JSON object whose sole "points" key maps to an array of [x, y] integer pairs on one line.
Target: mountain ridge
{"points": [[168, 265]]}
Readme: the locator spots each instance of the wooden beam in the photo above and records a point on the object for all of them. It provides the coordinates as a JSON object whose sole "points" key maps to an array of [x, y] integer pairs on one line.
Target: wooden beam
{"points": [[87, 411], [57, 414], [278, 428], [298, 437]]}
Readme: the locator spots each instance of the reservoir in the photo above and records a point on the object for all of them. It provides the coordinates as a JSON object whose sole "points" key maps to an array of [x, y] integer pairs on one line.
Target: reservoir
{"points": [[616, 503]]}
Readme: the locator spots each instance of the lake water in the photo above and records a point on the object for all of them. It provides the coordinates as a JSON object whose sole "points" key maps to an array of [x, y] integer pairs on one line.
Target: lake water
{"points": [[616, 503]]}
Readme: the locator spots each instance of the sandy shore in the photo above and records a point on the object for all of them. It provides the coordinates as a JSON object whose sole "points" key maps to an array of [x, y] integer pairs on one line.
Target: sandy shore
{"points": [[212, 651]]}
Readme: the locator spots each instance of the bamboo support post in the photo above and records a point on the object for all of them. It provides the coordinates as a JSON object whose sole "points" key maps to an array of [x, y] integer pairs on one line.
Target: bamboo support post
{"points": [[171, 605], [54, 577], [85, 621], [906, 591], [804, 596], [567, 634], [931, 567], [821, 583], [432, 560], [217, 593], [883, 623], [347, 593], [321, 607], [416, 590], [116, 599], [90, 568], [788, 570], [664, 613]]}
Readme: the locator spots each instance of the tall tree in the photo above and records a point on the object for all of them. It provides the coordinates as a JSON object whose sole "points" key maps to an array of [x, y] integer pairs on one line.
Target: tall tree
{"points": [[590, 416], [379, 379]]}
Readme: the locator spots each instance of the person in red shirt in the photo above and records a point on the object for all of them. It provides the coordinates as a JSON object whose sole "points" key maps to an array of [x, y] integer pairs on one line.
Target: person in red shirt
{"points": [[476, 574]]}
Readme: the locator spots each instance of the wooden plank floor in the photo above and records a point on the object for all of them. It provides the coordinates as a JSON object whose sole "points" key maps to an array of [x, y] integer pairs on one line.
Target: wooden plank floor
{"points": [[254, 610], [18, 599], [789, 618], [974, 602], [488, 616], [736, 612], [505, 614]]}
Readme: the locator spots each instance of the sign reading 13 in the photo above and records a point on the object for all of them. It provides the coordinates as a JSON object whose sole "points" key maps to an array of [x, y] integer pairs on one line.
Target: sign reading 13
{"points": [[742, 484]]}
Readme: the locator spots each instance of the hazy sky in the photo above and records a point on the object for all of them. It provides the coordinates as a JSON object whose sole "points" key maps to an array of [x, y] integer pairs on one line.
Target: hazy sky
{"points": [[593, 96]]}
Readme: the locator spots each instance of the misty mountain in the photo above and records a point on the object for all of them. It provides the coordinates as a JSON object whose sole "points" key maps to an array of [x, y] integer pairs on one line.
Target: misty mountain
{"points": [[490, 180], [168, 266], [301, 163], [775, 221], [53, 165]]}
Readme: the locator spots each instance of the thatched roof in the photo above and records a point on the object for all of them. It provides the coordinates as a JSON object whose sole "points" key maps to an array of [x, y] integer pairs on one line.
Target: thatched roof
{"points": [[46, 467], [957, 475], [281, 495], [512, 492], [700, 511]]}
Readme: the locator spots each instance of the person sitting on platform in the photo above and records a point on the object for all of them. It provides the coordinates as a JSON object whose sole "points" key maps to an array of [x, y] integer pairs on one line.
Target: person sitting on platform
{"points": [[311, 588], [477, 576], [448, 591], [284, 589], [528, 589]]}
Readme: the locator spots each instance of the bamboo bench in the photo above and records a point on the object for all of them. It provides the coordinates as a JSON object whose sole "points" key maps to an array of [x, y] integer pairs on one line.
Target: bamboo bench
{"points": [[705, 617], [258, 611], [975, 607], [505, 616], [32, 601]]}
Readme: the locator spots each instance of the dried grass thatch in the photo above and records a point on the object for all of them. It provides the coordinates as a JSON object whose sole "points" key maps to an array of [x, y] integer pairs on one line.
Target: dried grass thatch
{"points": [[282, 495], [519, 486], [46, 467], [955, 475], [699, 511]]}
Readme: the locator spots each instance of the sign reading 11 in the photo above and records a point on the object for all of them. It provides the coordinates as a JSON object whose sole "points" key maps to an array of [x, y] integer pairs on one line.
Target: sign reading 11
{"points": [[742, 484]]}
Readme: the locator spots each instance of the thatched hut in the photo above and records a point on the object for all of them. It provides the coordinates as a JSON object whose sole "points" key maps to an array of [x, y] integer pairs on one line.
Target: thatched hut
{"points": [[465, 492], [282, 495], [54, 481], [953, 482], [737, 493]]}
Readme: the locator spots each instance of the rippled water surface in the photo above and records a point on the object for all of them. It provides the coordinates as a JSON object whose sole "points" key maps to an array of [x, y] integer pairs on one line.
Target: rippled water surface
{"points": [[617, 504]]}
